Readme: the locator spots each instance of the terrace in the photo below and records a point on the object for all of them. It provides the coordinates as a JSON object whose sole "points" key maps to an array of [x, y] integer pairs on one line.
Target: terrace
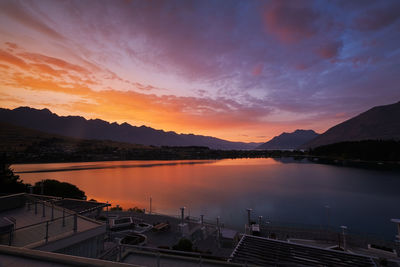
{"points": [[36, 222]]}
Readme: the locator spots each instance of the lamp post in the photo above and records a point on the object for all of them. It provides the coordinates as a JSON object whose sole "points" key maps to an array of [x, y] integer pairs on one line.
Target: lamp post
{"points": [[151, 204], [182, 215], [249, 216], [344, 229]]}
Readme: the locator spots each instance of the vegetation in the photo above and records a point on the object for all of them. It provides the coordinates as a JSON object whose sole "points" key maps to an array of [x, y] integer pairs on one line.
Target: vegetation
{"points": [[9, 182], [59, 189], [136, 209], [184, 244], [116, 208], [66, 150], [369, 150]]}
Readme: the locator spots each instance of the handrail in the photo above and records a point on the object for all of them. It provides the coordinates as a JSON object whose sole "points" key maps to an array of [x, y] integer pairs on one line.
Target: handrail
{"points": [[42, 222]]}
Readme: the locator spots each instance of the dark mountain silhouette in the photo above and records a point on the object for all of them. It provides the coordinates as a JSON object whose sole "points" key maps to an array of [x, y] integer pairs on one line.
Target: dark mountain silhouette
{"points": [[78, 127], [289, 140], [378, 123]]}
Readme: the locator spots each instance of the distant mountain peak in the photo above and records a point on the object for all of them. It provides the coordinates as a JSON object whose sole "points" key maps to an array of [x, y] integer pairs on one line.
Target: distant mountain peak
{"points": [[289, 140]]}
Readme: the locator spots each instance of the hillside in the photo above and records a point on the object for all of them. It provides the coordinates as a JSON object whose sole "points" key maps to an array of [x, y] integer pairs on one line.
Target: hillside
{"points": [[289, 140], [378, 123], [78, 127], [17, 139], [22, 145]]}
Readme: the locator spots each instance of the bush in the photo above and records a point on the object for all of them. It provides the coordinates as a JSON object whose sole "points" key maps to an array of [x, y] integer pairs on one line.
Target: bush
{"points": [[136, 209], [58, 189], [184, 244]]}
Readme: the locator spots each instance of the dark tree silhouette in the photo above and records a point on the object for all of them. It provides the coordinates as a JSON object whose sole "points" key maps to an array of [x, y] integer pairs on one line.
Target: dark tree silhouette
{"points": [[59, 189], [9, 182]]}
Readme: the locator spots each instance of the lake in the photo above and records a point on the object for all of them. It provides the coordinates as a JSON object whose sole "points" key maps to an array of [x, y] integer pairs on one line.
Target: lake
{"points": [[280, 190]]}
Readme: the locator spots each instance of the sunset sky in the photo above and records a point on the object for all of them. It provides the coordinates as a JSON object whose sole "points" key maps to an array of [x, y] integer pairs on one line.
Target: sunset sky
{"points": [[237, 70]]}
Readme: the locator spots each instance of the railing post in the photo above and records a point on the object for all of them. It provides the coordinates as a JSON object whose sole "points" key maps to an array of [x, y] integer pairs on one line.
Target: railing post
{"points": [[119, 253], [52, 211], [44, 210], [35, 207], [344, 228], [249, 216], [10, 238], [218, 233], [151, 200], [63, 220], [158, 259], [47, 231], [75, 223]]}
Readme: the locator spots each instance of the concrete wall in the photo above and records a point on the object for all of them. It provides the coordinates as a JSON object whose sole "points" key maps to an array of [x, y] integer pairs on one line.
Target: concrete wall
{"points": [[12, 201], [90, 248]]}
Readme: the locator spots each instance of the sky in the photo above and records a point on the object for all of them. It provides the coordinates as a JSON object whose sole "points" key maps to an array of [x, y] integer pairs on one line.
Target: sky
{"points": [[237, 70]]}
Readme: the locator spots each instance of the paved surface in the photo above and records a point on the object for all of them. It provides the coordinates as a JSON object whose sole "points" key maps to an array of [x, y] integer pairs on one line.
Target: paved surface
{"points": [[164, 261], [14, 261], [167, 239], [31, 226]]}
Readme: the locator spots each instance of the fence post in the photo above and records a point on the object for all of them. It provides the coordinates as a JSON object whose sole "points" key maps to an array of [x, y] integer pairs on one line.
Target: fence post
{"points": [[344, 228], [47, 232], [44, 210], [52, 211], [63, 221], [35, 207], [75, 223], [10, 238], [151, 200]]}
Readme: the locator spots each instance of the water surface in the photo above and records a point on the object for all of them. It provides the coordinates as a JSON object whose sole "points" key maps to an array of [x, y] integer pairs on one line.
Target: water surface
{"points": [[279, 190]]}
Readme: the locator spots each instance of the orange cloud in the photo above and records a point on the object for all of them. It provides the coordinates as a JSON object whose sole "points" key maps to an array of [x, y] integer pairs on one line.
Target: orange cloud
{"points": [[9, 58], [34, 57], [41, 74]]}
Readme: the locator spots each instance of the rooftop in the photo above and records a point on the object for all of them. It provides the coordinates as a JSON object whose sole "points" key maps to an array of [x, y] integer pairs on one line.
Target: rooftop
{"points": [[37, 222], [270, 252]]}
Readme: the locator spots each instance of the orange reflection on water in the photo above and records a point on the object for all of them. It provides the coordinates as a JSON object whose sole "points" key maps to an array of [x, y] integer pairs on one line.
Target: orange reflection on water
{"points": [[171, 184]]}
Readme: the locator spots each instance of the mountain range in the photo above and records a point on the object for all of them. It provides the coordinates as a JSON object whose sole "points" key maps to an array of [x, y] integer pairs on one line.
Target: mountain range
{"points": [[78, 127], [377, 123], [289, 140]]}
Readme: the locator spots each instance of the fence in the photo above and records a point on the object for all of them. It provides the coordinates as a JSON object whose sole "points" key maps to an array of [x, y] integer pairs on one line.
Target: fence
{"points": [[163, 256], [60, 222], [324, 234]]}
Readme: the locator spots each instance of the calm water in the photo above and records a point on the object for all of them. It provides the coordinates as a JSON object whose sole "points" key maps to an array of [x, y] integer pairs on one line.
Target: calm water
{"points": [[287, 191]]}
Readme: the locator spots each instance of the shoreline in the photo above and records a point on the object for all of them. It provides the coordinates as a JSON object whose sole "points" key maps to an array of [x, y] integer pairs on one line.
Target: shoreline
{"points": [[340, 162]]}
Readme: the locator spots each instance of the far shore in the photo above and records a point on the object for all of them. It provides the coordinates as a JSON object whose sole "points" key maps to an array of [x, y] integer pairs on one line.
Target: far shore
{"points": [[294, 156]]}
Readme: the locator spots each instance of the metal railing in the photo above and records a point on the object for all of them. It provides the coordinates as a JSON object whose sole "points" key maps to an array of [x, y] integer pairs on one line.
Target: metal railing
{"points": [[159, 255], [61, 221], [329, 234]]}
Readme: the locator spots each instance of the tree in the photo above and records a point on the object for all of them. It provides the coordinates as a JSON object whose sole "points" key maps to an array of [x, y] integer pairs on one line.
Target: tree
{"points": [[9, 182], [184, 244], [59, 189]]}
